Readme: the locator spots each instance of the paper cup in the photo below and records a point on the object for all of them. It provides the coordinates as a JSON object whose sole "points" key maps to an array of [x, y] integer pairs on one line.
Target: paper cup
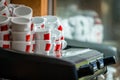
{"points": [[23, 11], [4, 11], [39, 23], [20, 24]]}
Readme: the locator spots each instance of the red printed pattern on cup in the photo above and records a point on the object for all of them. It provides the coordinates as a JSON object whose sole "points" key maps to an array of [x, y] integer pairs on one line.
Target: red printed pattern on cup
{"points": [[62, 38], [42, 26], [4, 27], [6, 37], [57, 47], [4, 14], [57, 40], [32, 26], [6, 46], [5, 3], [47, 36], [60, 28], [47, 48], [28, 37], [27, 48]]}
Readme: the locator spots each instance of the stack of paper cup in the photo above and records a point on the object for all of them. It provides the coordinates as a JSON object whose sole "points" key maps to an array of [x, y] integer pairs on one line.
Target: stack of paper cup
{"points": [[43, 41], [22, 33], [4, 32], [42, 36], [57, 37]]}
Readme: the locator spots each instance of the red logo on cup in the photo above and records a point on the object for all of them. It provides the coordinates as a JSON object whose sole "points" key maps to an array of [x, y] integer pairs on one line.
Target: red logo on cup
{"points": [[6, 37], [60, 28], [27, 48], [47, 36], [6, 46], [47, 47], [4, 27], [28, 37]]}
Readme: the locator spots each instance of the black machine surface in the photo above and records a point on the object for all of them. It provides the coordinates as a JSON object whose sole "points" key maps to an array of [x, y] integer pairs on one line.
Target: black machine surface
{"points": [[16, 65]]}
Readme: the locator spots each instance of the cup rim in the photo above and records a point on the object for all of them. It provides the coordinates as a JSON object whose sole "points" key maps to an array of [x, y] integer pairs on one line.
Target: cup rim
{"points": [[6, 19], [14, 20], [27, 7]]}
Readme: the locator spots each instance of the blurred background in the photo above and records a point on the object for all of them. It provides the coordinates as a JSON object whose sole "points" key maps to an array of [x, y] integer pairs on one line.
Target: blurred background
{"points": [[94, 21]]}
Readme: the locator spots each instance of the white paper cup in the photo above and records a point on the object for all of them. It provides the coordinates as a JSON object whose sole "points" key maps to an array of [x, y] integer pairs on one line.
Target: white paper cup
{"points": [[5, 44], [4, 23], [22, 36], [22, 46], [50, 22], [21, 24], [53, 22], [39, 22], [43, 34], [23, 11], [11, 7], [42, 46], [5, 35], [4, 11]]}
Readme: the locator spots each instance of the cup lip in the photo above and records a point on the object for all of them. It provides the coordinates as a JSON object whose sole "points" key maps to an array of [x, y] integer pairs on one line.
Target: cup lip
{"points": [[14, 20], [6, 19], [27, 7]]}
